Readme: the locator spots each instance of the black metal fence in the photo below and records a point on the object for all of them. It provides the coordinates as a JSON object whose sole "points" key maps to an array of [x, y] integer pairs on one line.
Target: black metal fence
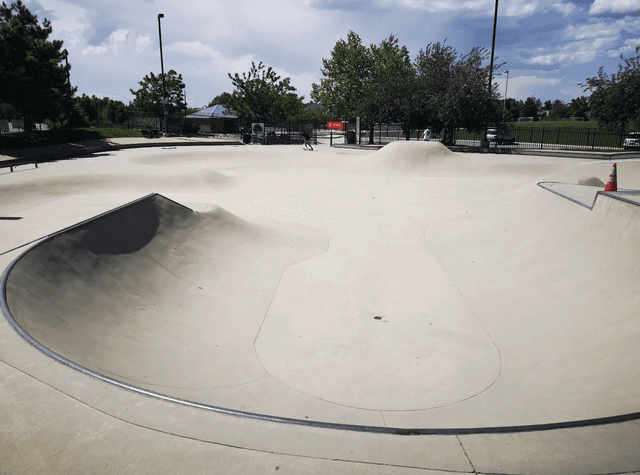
{"points": [[523, 136], [282, 133]]}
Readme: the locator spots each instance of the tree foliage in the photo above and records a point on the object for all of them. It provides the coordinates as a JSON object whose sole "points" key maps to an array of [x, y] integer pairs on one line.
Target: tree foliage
{"points": [[34, 82], [452, 90], [530, 108], [390, 95], [380, 83], [148, 99], [346, 81], [95, 110], [220, 99], [261, 95], [615, 99]]}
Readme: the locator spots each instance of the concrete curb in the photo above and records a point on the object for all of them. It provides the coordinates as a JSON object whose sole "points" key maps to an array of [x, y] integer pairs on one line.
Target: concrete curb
{"points": [[56, 152], [520, 151]]}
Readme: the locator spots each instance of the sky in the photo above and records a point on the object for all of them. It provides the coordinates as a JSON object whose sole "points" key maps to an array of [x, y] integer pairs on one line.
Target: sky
{"points": [[549, 47]]}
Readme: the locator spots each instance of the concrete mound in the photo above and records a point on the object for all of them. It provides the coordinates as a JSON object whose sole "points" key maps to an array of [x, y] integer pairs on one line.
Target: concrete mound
{"points": [[412, 156], [591, 181]]}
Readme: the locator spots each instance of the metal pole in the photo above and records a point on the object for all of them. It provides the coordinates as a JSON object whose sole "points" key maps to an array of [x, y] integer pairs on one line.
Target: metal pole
{"points": [[493, 46], [164, 91], [484, 142], [504, 105]]}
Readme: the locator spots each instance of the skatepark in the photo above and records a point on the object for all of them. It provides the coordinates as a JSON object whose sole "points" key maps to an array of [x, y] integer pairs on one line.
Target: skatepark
{"points": [[252, 309]]}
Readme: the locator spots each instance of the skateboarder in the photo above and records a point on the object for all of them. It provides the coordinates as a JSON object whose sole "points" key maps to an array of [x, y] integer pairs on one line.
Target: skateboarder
{"points": [[305, 137]]}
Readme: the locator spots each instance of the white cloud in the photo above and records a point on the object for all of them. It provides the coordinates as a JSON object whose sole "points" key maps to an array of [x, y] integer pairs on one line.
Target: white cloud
{"points": [[67, 20], [614, 6], [142, 43], [586, 43], [116, 38], [510, 8], [596, 30], [565, 8], [521, 87]]}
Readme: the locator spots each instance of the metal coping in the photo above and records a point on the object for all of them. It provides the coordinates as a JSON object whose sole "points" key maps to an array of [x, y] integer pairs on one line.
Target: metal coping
{"points": [[265, 417], [608, 194]]}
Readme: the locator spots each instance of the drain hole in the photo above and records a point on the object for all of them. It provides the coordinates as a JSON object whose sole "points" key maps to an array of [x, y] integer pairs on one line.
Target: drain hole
{"points": [[377, 317]]}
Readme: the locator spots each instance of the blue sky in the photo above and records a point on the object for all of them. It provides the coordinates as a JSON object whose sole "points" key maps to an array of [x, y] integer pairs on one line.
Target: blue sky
{"points": [[549, 46]]}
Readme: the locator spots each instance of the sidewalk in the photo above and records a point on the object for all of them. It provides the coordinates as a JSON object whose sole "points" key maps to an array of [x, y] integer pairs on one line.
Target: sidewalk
{"points": [[10, 158]]}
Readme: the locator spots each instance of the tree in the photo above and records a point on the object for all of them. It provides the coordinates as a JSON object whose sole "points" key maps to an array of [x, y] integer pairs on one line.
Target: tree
{"points": [[579, 107], [615, 99], [260, 95], [346, 81], [93, 110], [34, 82], [389, 96], [513, 108], [453, 91], [220, 99], [531, 107], [148, 99]]}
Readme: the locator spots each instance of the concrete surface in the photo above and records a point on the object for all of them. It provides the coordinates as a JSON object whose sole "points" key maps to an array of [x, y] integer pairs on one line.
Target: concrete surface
{"points": [[411, 290]]}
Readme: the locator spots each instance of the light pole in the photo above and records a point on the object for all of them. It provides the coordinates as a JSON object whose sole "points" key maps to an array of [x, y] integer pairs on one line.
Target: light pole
{"points": [[164, 91], [493, 45], [485, 142], [506, 87]]}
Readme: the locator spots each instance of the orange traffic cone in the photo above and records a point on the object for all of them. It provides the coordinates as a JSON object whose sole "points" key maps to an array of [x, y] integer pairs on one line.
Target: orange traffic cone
{"points": [[612, 184]]}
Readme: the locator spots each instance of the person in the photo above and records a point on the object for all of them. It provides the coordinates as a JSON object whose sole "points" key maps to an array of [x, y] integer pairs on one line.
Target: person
{"points": [[305, 137], [426, 135]]}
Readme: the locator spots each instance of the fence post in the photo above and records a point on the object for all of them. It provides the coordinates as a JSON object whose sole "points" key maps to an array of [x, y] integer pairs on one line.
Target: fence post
{"points": [[542, 138]]}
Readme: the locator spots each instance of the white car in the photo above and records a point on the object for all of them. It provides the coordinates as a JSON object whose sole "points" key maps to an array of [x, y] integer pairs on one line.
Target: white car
{"points": [[631, 141], [500, 136]]}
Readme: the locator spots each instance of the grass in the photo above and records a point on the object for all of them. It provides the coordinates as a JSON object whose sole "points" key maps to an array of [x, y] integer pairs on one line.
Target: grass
{"points": [[553, 124], [61, 136]]}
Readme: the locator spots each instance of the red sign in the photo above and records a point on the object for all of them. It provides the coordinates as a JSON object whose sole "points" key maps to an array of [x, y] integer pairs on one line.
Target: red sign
{"points": [[335, 125]]}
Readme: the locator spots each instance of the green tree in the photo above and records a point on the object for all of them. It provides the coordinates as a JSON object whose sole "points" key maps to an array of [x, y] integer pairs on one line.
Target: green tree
{"points": [[261, 95], [95, 110], [615, 99], [34, 81], [148, 99], [513, 108], [220, 99], [389, 96], [346, 81], [313, 113], [579, 107], [453, 90], [531, 107]]}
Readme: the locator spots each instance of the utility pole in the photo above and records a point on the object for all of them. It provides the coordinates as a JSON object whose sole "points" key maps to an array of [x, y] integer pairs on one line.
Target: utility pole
{"points": [[164, 90]]}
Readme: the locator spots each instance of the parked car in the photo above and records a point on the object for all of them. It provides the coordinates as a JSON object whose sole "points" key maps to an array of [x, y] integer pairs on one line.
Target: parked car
{"points": [[632, 141], [500, 135]]}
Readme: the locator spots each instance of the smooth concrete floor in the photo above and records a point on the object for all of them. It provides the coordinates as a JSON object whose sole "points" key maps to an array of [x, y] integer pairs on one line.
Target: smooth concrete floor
{"points": [[409, 288]]}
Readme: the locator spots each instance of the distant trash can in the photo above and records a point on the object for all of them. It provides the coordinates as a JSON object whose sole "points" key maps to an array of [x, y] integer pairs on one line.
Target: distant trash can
{"points": [[351, 137], [246, 138]]}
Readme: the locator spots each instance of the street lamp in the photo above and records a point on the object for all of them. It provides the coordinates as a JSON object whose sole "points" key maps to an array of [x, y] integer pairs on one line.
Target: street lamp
{"points": [[506, 87], [485, 142], [493, 45], [164, 91]]}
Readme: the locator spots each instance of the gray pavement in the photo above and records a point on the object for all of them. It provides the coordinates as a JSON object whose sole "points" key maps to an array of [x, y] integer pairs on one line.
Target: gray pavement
{"points": [[501, 306]]}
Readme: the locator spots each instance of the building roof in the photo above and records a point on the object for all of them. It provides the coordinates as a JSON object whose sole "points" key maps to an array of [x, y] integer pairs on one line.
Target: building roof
{"points": [[214, 112]]}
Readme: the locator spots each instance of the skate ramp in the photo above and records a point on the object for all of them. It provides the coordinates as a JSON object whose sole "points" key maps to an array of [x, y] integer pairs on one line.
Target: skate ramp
{"points": [[433, 159], [156, 295], [425, 303]]}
